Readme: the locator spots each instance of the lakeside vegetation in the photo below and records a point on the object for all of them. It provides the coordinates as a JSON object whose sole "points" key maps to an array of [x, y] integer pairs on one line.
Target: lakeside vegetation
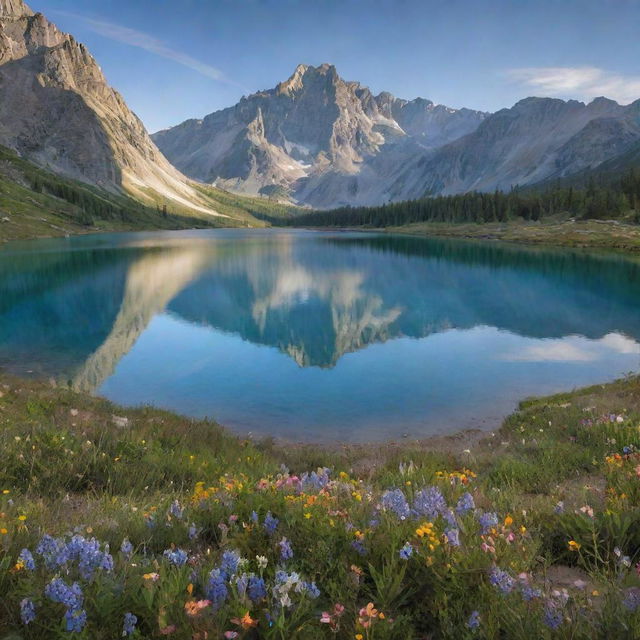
{"points": [[37, 203], [145, 524]]}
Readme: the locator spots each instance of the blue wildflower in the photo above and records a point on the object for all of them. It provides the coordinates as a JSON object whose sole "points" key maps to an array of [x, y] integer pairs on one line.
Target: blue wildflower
{"points": [[230, 562], [501, 580], [59, 591], [257, 589], [75, 619], [176, 510], [26, 559], [530, 593], [193, 531], [453, 537], [552, 616], [242, 582], [474, 620], [27, 611], [395, 500], [359, 547], [126, 547], [312, 589], [217, 590], [559, 508], [286, 552], [270, 523], [406, 551], [465, 504], [178, 557], [129, 624], [631, 600], [488, 521], [429, 503], [254, 517]]}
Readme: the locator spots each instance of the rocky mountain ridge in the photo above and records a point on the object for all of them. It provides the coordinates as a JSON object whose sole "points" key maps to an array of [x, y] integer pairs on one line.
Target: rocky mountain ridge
{"points": [[326, 142], [56, 109]]}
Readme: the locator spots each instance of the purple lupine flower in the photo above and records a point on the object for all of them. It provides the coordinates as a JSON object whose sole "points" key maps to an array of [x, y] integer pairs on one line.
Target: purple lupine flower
{"points": [[406, 551], [126, 547], [395, 500], [27, 611], [501, 580], [257, 589], [229, 562], [488, 521], [465, 504], [286, 552], [217, 590], [429, 503], [474, 620], [176, 510], [76, 619], [27, 560], [270, 523], [129, 624], [631, 600], [552, 615], [177, 557], [453, 537]]}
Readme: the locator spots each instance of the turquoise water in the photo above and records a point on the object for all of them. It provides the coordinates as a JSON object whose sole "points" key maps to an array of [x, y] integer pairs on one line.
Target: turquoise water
{"points": [[317, 336]]}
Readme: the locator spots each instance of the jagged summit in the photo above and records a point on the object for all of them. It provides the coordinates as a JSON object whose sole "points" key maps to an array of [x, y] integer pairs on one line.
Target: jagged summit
{"points": [[322, 139], [57, 110], [14, 8]]}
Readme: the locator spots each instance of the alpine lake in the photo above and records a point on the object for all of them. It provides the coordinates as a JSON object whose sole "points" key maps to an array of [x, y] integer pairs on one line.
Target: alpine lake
{"points": [[317, 336]]}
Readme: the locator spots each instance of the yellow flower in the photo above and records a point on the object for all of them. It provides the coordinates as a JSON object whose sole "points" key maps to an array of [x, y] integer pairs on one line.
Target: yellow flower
{"points": [[22, 518], [523, 529], [3, 531], [508, 521], [381, 615], [6, 491], [574, 546], [190, 588], [307, 515], [358, 636]]}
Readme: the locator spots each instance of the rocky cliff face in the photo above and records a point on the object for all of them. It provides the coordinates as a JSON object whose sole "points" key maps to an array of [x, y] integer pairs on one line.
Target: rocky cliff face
{"points": [[57, 109], [324, 140]]}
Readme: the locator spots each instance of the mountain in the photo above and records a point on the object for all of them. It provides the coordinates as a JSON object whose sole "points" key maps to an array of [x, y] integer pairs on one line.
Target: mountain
{"points": [[57, 110], [326, 142], [537, 139], [316, 137]]}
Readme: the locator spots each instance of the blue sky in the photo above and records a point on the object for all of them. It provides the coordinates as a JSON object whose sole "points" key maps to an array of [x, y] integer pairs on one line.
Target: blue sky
{"points": [[176, 60]]}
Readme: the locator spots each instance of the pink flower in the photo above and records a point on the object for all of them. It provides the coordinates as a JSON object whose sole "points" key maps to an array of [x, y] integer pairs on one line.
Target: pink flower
{"points": [[325, 618], [230, 634]]}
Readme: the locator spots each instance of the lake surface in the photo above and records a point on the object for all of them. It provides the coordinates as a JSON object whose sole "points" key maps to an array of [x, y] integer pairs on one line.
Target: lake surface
{"points": [[317, 336]]}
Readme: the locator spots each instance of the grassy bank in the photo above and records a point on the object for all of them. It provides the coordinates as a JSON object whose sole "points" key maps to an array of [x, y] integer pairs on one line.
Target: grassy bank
{"points": [[147, 517], [558, 231]]}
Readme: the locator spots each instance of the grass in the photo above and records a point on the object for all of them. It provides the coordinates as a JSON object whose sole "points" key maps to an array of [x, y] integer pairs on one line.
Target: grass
{"points": [[557, 231], [37, 203], [200, 534]]}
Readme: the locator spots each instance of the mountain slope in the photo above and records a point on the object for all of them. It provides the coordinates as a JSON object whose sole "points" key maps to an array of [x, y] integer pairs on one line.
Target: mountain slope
{"points": [[322, 139], [57, 110]]}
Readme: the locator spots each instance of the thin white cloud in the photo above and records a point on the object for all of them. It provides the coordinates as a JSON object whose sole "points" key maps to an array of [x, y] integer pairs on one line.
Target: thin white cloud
{"points": [[585, 83], [149, 43]]}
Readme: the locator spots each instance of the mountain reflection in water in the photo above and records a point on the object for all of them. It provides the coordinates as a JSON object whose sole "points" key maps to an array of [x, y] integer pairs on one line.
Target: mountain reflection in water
{"points": [[73, 309]]}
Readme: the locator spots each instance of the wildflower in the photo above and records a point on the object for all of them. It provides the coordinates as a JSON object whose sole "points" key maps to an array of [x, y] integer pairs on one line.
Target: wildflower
{"points": [[406, 551], [359, 547], [256, 589], [153, 577], [453, 537], [230, 635], [573, 545], [631, 600], [193, 608], [501, 580], [177, 557], [286, 552], [559, 508], [58, 591], [587, 510], [429, 503], [270, 523], [217, 590], [25, 559], [262, 562], [552, 615], [465, 504], [129, 625], [176, 510], [246, 622], [126, 547], [75, 620], [254, 519], [193, 531], [230, 562], [488, 521], [312, 589], [474, 620], [394, 500], [27, 611]]}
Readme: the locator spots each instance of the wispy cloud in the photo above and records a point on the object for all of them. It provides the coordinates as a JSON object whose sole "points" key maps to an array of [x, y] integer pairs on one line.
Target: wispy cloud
{"points": [[578, 82], [149, 43]]}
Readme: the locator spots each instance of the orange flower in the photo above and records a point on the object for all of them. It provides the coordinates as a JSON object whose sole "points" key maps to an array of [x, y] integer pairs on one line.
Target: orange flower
{"points": [[246, 622]]}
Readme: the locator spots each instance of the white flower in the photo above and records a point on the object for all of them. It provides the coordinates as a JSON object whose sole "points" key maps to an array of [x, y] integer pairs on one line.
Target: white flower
{"points": [[262, 562]]}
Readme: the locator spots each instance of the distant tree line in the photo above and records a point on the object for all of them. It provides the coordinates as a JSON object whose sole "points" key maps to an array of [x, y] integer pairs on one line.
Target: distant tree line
{"points": [[591, 201]]}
